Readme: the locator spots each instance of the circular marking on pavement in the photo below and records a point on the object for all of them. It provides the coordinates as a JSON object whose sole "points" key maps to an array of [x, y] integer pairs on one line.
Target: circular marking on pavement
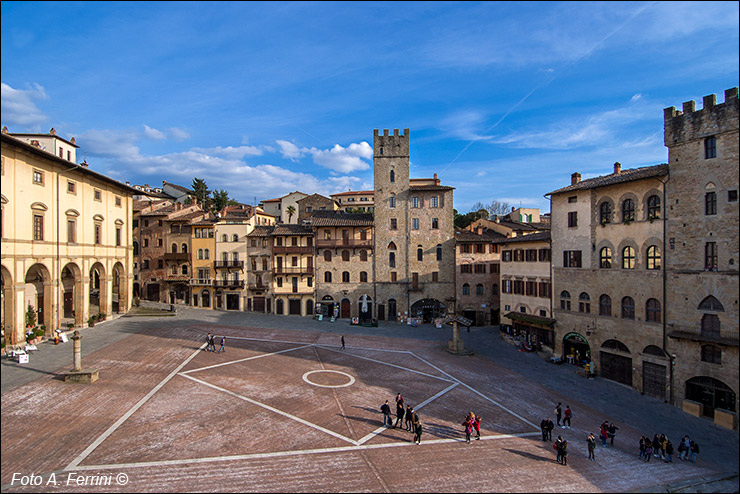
{"points": [[350, 383]]}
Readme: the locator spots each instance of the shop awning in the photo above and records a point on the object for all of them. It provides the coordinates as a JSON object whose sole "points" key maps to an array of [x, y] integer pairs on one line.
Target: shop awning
{"points": [[530, 319]]}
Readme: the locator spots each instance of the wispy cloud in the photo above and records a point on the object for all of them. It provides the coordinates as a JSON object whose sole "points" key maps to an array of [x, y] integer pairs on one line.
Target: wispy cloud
{"points": [[19, 105]]}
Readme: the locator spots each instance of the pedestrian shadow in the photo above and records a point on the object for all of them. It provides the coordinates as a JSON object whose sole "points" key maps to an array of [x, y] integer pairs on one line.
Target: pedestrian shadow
{"points": [[531, 456], [374, 422], [441, 430], [368, 409]]}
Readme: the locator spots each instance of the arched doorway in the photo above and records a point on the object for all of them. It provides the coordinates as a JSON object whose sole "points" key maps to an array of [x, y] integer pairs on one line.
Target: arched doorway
{"points": [[576, 346], [205, 296], [345, 308], [428, 309], [98, 292], [119, 301], [72, 295], [616, 362], [392, 314], [365, 308], [710, 392], [7, 306], [38, 295]]}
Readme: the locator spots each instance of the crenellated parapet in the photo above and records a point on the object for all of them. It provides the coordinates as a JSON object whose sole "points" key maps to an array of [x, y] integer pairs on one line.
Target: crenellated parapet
{"points": [[396, 145], [712, 119]]}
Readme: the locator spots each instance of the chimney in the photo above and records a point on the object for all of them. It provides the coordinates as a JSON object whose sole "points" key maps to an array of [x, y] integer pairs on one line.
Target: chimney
{"points": [[617, 168], [5, 129], [52, 131], [575, 178], [512, 209], [73, 141], [478, 230], [128, 183], [84, 163], [164, 182]]}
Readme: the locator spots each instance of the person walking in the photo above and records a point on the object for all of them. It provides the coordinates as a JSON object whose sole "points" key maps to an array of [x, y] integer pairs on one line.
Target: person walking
{"points": [[643, 446], [564, 452], [208, 343], [663, 442], [342, 342], [468, 425], [686, 443], [400, 412], [399, 398], [417, 432], [543, 427], [591, 444], [476, 425], [550, 427], [223, 344], [612, 432], [409, 418], [558, 448], [386, 409], [694, 449], [668, 451], [604, 433], [648, 448], [568, 416], [558, 413], [656, 446]]}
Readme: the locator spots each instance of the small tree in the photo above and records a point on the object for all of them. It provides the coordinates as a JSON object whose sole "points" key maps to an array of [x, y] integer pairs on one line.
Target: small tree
{"points": [[30, 316], [291, 211]]}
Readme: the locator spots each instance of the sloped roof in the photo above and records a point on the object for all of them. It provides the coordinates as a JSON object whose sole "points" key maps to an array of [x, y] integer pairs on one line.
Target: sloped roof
{"points": [[340, 218], [288, 229], [261, 231], [616, 178], [485, 236], [531, 237]]}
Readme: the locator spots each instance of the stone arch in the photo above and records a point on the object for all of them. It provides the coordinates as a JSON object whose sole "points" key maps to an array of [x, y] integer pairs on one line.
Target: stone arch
{"points": [[619, 253], [606, 204], [712, 393], [98, 293], [647, 198], [712, 304], [654, 351], [13, 334], [119, 291], [615, 345], [635, 203], [38, 293], [73, 295]]}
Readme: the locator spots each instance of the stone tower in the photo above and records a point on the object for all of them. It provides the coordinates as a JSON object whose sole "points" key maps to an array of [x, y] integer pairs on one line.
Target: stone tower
{"points": [[701, 255]]}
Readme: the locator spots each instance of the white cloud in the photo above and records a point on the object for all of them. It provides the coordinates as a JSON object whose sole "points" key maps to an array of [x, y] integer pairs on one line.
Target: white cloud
{"points": [[153, 133], [289, 150], [343, 160], [230, 152], [19, 107], [178, 135]]}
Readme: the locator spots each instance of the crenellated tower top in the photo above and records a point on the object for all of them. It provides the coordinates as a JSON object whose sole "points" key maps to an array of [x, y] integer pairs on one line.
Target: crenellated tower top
{"points": [[712, 119]]}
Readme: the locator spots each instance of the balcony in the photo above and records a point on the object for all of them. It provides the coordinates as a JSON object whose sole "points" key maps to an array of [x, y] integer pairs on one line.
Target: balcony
{"points": [[345, 242], [292, 249], [183, 278], [229, 264], [258, 286], [235, 284], [176, 256], [292, 270], [286, 290], [201, 282]]}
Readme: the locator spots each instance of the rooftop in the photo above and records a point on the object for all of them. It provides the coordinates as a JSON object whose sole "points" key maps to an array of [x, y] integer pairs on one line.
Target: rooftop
{"points": [[615, 178]]}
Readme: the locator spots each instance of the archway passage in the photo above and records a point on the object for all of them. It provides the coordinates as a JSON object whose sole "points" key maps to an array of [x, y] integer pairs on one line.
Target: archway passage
{"points": [[119, 297], [72, 295], [577, 348], [7, 306], [428, 309], [712, 393], [38, 296], [346, 308], [98, 293], [365, 308]]}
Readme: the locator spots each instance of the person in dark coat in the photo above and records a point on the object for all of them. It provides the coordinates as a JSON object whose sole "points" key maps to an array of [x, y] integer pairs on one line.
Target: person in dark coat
{"points": [[558, 448], [417, 432], [550, 427], [476, 425], [558, 413], [564, 451], [400, 412], [591, 444], [543, 427], [612, 432], [386, 409], [656, 445], [409, 418]]}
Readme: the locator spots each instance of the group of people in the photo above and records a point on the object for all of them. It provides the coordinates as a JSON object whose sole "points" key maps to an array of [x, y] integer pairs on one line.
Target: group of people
{"points": [[405, 415], [661, 447], [472, 423], [211, 343]]}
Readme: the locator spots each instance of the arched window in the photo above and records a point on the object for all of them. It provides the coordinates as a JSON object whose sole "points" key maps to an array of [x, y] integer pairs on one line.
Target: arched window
{"points": [[184, 248], [392, 259], [652, 310], [605, 305], [628, 258], [345, 255], [584, 303], [345, 276], [363, 277], [653, 206], [207, 254], [174, 248], [628, 211], [393, 173], [479, 289], [628, 308], [439, 252], [494, 289], [200, 253], [327, 255], [711, 303], [605, 258], [564, 300], [605, 213], [235, 238], [466, 289], [653, 257], [363, 255], [420, 253], [327, 276], [224, 238]]}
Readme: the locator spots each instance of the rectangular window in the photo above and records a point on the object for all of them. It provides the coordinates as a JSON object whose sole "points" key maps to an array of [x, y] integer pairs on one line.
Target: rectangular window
{"points": [[98, 236], [531, 289], [118, 201], [146, 242], [732, 196], [393, 276], [518, 255], [71, 187], [38, 227], [480, 248], [506, 286], [160, 264], [71, 231], [415, 223], [494, 268], [571, 258], [710, 203], [518, 287], [544, 289], [710, 147], [544, 255], [465, 248], [38, 177], [506, 255], [466, 268], [573, 199], [531, 255], [415, 281], [710, 256], [435, 276], [573, 219], [97, 195], [493, 249], [118, 237], [414, 202], [435, 223], [279, 281], [435, 202], [480, 268], [394, 224]]}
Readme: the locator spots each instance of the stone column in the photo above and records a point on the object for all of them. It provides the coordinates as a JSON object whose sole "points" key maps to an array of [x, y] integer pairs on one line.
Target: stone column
{"points": [[76, 338]]}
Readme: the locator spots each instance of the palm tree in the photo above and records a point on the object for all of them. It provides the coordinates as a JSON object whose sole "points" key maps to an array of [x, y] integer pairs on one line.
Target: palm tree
{"points": [[291, 211]]}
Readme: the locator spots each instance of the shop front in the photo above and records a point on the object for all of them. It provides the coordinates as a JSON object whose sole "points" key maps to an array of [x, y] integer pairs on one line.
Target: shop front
{"points": [[534, 331]]}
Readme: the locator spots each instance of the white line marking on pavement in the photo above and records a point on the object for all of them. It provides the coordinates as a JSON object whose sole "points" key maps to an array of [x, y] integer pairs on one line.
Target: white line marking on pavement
{"points": [[76, 462], [272, 409], [245, 359]]}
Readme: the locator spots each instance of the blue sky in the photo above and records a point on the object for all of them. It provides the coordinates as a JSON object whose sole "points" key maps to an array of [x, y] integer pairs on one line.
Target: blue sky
{"points": [[503, 100]]}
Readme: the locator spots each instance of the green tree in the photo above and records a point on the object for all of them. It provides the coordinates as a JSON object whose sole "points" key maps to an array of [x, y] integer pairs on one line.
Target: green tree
{"points": [[220, 200], [291, 211], [201, 193]]}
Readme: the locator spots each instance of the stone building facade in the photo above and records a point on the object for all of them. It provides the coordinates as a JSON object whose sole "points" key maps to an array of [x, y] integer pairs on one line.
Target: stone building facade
{"points": [[293, 269], [357, 201], [259, 272], [66, 236], [607, 251], [313, 203], [702, 256], [414, 261]]}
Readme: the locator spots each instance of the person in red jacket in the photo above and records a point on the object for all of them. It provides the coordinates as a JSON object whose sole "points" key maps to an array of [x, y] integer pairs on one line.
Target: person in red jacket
{"points": [[468, 425], [476, 425], [567, 416]]}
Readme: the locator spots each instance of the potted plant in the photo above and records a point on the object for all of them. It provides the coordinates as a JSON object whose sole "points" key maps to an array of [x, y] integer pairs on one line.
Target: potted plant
{"points": [[91, 320], [40, 333], [101, 316], [70, 326], [31, 338], [30, 316]]}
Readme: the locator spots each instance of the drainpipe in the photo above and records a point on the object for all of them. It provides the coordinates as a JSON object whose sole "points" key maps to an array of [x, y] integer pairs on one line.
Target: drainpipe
{"points": [[665, 285]]}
